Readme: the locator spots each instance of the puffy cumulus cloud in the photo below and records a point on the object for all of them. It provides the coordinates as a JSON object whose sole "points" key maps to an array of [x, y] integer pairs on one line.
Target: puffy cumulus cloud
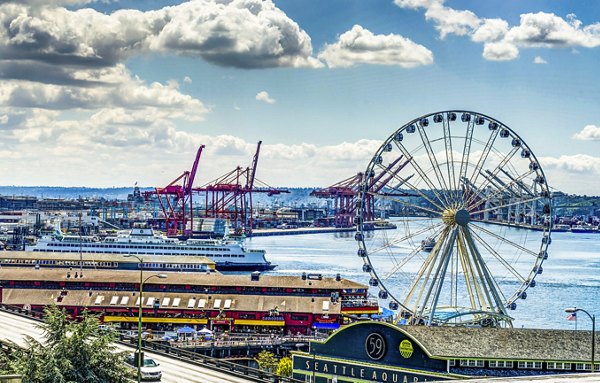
{"points": [[263, 96], [51, 43], [580, 163], [490, 30], [539, 60], [187, 80], [236, 33], [501, 41], [111, 147], [588, 133], [501, 51], [121, 90], [360, 45], [548, 30]]}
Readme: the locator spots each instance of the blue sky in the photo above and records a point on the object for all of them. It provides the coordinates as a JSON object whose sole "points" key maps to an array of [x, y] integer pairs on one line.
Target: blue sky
{"points": [[110, 93]]}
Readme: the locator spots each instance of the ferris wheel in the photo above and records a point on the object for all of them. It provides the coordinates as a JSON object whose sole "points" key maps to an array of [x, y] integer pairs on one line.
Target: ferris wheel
{"points": [[469, 225]]}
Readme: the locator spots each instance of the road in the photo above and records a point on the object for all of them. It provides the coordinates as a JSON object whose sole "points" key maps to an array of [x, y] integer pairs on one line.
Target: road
{"points": [[15, 328]]}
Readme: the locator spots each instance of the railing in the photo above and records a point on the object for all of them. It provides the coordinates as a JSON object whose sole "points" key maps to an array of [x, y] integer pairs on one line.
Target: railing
{"points": [[214, 363], [177, 353]]}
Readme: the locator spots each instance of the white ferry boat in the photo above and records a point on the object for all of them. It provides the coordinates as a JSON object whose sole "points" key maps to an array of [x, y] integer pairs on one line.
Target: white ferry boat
{"points": [[227, 254]]}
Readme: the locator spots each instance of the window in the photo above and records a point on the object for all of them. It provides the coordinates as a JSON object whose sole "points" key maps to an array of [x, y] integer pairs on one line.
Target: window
{"points": [[124, 300], [471, 363], [166, 301], [114, 300], [559, 366], [191, 303], [201, 303], [217, 304], [583, 366], [99, 299], [530, 365], [500, 364], [150, 301], [325, 305], [227, 304], [452, 362], [176, 302]]}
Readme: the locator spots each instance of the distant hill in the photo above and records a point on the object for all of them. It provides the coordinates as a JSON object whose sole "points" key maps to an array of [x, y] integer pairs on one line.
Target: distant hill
{"points": [[296, 197]]}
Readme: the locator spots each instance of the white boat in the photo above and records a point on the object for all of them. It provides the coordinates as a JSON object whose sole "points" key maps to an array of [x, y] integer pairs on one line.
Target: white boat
{"points": [[428, 244], [227, 254]]}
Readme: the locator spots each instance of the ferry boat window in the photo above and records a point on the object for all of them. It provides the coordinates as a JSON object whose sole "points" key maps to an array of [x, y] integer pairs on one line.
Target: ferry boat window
{"points": [[191, 303], [217, 304], [114, 300], [150, 301], [124, 300], [201, 303], [166, 301], [176, 302]]}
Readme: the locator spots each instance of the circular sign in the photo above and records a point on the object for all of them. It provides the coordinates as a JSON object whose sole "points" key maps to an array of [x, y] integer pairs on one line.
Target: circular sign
{"points": [[375, 346], [406, 348]]}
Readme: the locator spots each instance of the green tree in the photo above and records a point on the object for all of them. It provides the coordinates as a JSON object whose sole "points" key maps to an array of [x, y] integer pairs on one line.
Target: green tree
{"points": [[71, 351], [284, 368], [266, 361]]}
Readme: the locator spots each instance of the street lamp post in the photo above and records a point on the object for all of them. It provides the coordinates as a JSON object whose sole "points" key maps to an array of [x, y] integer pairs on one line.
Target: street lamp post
{"points": [[573, 310], [140, 358]]}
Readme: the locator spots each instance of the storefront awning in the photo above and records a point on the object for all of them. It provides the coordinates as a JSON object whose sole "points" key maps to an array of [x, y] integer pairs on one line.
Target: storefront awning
{"points": [[259, 322], [326, 326]]}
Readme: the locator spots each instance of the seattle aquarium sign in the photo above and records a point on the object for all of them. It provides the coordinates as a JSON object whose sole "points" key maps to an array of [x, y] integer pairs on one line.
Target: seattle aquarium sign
{"points": [[347, 371]]}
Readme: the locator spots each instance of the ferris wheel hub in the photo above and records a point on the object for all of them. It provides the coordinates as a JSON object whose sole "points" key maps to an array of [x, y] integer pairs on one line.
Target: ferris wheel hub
{"points": [[453, 217]]}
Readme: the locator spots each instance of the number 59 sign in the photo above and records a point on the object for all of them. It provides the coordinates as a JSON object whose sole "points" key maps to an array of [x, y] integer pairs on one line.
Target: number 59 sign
{"points": [[375, 346]]}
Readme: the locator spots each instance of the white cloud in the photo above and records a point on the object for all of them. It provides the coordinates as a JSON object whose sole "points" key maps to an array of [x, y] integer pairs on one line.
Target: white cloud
{"points": [[265, 97], [580, 163], [490, 30], [3, 119], [187, 80], [501, 51], [588, 133], [502, 42], [539, 60], [236, 33], [360, 45]]}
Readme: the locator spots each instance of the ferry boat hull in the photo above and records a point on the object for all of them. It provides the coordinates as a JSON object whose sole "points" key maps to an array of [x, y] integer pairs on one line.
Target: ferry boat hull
{"points": [[227, 254]]}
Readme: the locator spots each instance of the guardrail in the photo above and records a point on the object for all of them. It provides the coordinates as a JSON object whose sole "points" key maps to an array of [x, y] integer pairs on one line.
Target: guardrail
{"points": [[213, 363], [177, 353]]}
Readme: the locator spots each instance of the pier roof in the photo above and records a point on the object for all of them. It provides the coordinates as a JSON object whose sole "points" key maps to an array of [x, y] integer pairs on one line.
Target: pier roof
{"points": [[503, 343], [175, 278], [128, 299]]}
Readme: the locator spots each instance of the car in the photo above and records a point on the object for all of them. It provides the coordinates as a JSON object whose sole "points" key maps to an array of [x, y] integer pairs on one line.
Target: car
{"points": [[150, 369]]}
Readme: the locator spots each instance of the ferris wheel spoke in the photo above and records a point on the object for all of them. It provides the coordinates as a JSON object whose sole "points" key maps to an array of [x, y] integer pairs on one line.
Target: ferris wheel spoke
{"points": [[408, 237], [474, 290], [409, 257], [449, 158], [497, 192], [434, 163], [494, 173], [520, 202], [422, 276], [507, 241], [440, 272], [507, 265], [464, 164], [493, 292], [404, 182], [421, 173], [486, 152], [395, 199]]}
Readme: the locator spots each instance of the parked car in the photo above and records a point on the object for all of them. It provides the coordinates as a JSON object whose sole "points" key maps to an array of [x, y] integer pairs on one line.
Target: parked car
{"points": [[150, 369]]}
